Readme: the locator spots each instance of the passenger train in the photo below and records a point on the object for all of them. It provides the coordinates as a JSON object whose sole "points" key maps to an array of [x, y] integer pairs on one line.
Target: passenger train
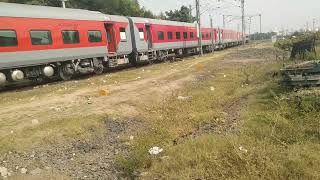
{"points": [[38, 42]]}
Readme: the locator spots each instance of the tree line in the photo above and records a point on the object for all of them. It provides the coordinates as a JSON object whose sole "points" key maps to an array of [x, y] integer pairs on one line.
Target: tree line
{"points": [[301, 45], [115, 7]]}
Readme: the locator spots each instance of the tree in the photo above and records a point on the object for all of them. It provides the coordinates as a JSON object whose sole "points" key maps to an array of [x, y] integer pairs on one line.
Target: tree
{"points": [[182, 15], [161, 16], [116, 7]]}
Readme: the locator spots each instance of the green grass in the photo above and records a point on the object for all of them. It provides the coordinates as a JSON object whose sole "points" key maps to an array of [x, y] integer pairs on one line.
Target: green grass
{"points": [[278, 136]]}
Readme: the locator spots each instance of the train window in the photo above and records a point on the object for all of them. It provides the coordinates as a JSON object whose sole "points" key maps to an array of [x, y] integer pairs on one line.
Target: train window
{"points": [[191, 35], [207, 35], [170, 35], [160, 35], [94, 36], [70, 37], [185, 35], [141, 33], [178, 36], [123, 34], [8, 38], [40, 37], [202, 34], [210, 34]]}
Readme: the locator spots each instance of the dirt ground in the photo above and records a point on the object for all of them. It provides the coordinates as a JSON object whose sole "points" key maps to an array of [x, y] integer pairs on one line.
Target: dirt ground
{"points": [[35, 111]]}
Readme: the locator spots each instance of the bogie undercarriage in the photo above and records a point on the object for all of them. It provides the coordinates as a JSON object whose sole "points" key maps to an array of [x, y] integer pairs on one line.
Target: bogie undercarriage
{"points": [[66, 70]]}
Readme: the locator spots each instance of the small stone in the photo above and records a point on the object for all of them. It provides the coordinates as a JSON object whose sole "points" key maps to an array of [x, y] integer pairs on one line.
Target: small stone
{"points": [[3, 172], [36, 171], [212, 88], [35, 122], [183, 98], [241, 148], [155, 150], [23, 170], [11, 132], [131, 138]]}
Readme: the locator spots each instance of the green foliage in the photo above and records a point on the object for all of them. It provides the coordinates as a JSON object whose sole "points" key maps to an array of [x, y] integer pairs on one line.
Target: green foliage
{"points": [[302, 44], [262, 36], [116, 7], [278, 138], [182, 15]]}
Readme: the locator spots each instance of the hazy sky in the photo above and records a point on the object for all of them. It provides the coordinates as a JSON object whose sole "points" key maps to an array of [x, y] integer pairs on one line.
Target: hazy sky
{"points": [[276, 14]]}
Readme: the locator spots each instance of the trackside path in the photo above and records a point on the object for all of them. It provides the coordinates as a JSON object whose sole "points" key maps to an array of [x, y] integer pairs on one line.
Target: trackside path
{"points": [[70, 130]]}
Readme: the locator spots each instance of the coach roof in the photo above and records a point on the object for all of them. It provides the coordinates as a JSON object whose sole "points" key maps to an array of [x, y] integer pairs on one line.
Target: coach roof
{"points": [[32, 11], [161, 22]]}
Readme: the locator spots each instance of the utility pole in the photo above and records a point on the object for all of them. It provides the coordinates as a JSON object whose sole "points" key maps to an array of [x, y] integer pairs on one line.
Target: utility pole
{"points": [[63, 3], [199, 26], [313, 25], [224, 21], [250, 20], [243, 24], [190, 12], [212, 34], [260, 23]]}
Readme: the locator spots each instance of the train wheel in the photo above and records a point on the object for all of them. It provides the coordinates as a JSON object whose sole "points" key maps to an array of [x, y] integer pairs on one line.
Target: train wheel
{"points": [[99, 69], [66, 72]]}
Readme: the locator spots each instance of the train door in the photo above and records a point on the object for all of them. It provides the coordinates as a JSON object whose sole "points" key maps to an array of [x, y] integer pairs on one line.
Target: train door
{"points": [[185, 37], [149, 36], [110, 38]]}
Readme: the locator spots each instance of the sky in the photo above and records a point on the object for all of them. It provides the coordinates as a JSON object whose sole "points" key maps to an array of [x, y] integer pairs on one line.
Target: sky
{"points": [[277, 15]]}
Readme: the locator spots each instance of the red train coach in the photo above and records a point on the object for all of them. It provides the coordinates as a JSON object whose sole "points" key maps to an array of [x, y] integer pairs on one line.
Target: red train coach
{"points": [[40, 41], [161, 39]]}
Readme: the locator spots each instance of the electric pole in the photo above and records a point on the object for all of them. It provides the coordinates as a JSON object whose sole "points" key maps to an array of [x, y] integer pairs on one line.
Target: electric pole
{"points": [[199, 26], [243, 24], [63, 3], [313, 25], [212, 34], [224, 21], [190, 13], [250, 20], [260, 23]]}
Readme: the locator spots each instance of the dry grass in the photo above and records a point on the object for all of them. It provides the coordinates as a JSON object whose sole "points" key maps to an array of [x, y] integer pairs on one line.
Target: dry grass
{"points": [[174, 118], [278, 136], [55, 131]]}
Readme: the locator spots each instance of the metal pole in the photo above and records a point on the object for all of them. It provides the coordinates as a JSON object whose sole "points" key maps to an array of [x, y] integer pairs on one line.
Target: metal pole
{"points": [[260, 23], [313, 25], [63, 3], [250, 20], [190, 13], [199, 26], [243, 24], [212, 34], [224, 21]]}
